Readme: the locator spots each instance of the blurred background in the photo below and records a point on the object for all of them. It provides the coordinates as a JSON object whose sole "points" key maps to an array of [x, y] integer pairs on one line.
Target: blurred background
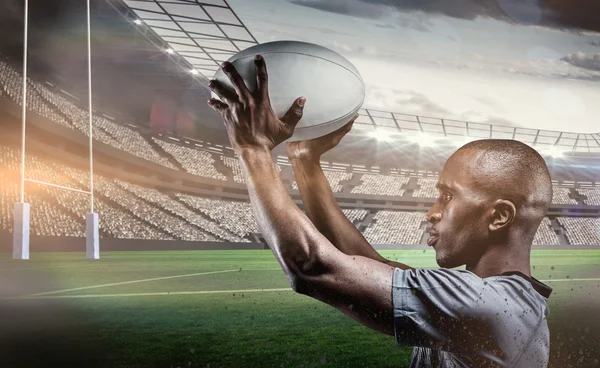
{"points": [[184, 277]]}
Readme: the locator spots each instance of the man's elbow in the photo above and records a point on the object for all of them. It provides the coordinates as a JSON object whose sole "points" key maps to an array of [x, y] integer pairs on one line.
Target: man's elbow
{"points": [[304, 276]]}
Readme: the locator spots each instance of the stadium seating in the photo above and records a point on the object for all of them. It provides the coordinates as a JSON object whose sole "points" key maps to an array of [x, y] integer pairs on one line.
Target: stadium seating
{"points": [[176, 208], [592, 196], [545, 235], [355, 216], [561, 196], [392, 227], [381, 185], [426, 188], [581, 230], [236, 169], [194, 161], [236, 217], [61, 110], [334, 178]]}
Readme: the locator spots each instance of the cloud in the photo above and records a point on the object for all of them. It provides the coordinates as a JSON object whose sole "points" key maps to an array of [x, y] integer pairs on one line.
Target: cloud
{"points": [[585, 61], [576, 15], [350, 7], [401, 101]]}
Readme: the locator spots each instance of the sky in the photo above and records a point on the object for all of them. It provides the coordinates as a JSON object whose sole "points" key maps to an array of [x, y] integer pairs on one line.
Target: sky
{"points": [[505, 62]]}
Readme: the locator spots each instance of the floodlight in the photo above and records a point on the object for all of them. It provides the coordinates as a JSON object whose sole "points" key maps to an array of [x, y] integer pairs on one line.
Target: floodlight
{"points": [[380, 135], [422, 139]]}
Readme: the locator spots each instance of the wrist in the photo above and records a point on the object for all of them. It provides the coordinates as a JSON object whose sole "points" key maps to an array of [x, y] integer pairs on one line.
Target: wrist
{"points": [[305, 160], [252, 153]]}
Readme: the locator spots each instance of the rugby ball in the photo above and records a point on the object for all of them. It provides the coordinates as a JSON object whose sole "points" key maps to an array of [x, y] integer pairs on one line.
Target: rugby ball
{"points": [[333, 87]]}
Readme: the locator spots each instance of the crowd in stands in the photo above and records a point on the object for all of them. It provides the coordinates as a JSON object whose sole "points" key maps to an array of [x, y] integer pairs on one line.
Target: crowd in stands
{"points": [[335, 178], [426, 188], [581, 230], [561, 196], [545, 234], [592, 196], [58, 108], [132, 211], [395, 227], [178, 209], [194, 161], [234, 216], [234, 164], [381, 185], [355, 216]]}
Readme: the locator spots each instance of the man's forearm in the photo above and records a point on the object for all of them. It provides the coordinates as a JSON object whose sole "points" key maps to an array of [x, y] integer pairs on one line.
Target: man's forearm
{"points": [[290, 234], [322, 209], [324, 212]]}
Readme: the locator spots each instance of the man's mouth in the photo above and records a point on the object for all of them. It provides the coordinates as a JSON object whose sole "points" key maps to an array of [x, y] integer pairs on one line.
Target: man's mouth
{"points": [[432, 240]]}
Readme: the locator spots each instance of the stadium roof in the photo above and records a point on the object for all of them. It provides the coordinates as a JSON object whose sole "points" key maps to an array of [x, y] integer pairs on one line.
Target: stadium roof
{"points": [[436, 128], [206, 33]]}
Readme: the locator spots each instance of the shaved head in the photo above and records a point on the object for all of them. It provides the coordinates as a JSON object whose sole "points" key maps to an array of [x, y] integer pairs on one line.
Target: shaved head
{"points": [[494, 194], [513, 171]]}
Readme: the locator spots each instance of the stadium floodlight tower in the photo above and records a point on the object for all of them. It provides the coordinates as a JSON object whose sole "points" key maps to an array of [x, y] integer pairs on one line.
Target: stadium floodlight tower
{"points": [[22, 209]]}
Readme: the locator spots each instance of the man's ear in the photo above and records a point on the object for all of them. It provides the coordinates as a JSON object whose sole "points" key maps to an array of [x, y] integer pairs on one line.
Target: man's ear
{"points": [[503, 214]]}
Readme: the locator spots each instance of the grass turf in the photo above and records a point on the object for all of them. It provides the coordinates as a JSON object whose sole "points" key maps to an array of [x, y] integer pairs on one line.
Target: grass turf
{"points": [[128, 310]]}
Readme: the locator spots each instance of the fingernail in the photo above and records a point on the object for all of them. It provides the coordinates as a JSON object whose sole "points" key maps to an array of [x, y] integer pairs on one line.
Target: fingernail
{"points": [[225, 65], [258, 57], [301, 101], [211, 83]]}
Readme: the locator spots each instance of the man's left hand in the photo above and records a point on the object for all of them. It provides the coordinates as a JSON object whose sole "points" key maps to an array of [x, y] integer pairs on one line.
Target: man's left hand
{"points": [[248, 116]]}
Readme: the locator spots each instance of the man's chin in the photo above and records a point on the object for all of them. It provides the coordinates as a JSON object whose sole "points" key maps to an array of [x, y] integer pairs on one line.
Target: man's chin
{"points": [[444, 261]]}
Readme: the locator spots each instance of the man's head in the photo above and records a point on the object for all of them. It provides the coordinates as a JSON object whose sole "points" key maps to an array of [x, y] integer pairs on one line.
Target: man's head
{"points": [[492, 193]]}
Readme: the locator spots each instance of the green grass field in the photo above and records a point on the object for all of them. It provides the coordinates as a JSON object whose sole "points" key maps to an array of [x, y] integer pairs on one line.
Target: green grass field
{"points": [[232, 309]]}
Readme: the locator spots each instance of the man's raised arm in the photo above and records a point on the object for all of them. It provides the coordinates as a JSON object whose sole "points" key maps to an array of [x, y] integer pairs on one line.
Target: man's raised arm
{"points": [[357, 286], [320, 204]]}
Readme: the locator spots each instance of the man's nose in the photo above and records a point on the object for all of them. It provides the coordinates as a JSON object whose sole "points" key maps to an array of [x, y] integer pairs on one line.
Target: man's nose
{"points": [[433, 215]]}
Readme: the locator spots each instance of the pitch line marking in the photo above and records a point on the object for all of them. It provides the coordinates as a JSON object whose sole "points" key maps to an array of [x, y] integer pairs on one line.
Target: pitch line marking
{"points": [[33, 296], [131, 282], [46, 296], [564, 280]]}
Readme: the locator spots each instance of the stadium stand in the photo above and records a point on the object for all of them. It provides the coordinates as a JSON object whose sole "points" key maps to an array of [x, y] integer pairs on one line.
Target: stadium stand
{"points": [[561, 196], [355, 216], [581, 230], [592, 196], [59, 109], [381, 185], [236, 169], [545, 235], [134, 212], [194, 161], [392, 227], [176, 208], [426, 188], [334, 178], [236, 217]]}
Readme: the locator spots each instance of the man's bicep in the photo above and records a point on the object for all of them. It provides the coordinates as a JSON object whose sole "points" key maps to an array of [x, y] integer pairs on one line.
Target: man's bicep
{"points": [[357, 286]]}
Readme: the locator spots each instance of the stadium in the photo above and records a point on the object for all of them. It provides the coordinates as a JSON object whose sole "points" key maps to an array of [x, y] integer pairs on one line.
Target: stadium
{"points": [[182, 275]]}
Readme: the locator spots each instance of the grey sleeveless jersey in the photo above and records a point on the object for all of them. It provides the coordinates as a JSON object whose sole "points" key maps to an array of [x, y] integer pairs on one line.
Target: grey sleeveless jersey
{"points": [[454, 318]]}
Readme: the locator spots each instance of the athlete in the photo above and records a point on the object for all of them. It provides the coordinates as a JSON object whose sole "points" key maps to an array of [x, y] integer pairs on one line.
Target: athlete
{"points": [[493, 196]]}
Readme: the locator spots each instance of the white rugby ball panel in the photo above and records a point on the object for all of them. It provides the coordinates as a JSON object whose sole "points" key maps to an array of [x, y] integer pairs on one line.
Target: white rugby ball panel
{"points": [[333, 87]]}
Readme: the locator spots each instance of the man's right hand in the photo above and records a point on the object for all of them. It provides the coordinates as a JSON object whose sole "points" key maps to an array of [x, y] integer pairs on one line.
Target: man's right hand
{"points": [[313, 149]]}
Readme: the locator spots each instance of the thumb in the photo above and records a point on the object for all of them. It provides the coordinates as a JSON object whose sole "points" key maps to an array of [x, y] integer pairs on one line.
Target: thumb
{"points": [[294, 114]]}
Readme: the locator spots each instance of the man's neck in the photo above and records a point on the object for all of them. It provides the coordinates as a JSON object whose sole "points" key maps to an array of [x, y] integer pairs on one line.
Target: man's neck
{"points": [[502, 258]]}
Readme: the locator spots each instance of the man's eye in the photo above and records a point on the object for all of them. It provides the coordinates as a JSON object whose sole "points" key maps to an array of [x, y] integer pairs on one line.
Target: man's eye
{"points": [[447, 197]]}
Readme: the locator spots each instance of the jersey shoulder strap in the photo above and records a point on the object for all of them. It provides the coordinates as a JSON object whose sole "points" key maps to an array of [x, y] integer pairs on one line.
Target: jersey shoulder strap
{"points": [[543, 289]]}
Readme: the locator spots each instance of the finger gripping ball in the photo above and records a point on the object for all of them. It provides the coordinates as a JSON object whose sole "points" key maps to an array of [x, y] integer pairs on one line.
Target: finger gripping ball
{"points": [[333, 87]]}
